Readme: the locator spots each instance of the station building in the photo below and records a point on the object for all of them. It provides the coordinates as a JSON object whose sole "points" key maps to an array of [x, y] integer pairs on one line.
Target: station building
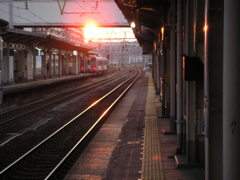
{"points": [[53, 56]]}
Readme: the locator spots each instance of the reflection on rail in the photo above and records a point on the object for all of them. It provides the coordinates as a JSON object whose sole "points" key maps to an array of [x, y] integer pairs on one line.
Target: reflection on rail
{"points": [[47, 158]]}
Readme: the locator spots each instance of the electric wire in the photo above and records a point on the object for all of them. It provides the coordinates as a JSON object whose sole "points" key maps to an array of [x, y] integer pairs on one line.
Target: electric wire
{"points": [[27, 10], [6, 12]]}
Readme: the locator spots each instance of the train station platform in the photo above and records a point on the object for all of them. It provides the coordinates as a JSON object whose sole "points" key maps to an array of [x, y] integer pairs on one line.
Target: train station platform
{"points": [[43, 82], [131, 145]]}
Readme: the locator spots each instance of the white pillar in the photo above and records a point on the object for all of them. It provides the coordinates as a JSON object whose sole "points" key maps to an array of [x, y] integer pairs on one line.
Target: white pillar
{"points": [[29, 64], [7, 67]]}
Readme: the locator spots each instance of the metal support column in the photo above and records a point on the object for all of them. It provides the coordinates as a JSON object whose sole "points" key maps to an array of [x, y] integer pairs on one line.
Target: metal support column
{"points": [[67, 63], [60, 63], [11, 13], [231, 95], [54, 64], [179, 76], [154, 67], [34, 63], [44, 71], [213, 89], [190, 87], [157, 59], [50, 55], [1, 69], [29, 63], [77, 64], [5, 67], [172, 64], [162, 78]]}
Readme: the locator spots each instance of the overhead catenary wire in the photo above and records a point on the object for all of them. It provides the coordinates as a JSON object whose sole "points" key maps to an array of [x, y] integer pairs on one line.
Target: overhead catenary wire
{"points": [[6, 12], [28, 10], [97, 12], [45, 21]]}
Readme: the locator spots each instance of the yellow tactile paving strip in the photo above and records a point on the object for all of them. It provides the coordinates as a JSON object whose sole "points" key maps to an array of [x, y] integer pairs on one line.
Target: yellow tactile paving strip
{"points": [[151, 163]]}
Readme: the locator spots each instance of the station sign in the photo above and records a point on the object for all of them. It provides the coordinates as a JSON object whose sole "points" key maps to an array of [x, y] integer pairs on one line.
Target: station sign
{"points": [[14, 46]]}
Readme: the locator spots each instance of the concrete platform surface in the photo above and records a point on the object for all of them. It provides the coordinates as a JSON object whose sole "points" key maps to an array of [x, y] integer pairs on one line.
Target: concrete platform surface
{"points": [[38, 83], [130, 145]]}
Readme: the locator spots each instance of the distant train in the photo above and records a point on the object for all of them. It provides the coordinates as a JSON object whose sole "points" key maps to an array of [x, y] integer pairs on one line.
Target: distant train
{"points": [[94, 64]]}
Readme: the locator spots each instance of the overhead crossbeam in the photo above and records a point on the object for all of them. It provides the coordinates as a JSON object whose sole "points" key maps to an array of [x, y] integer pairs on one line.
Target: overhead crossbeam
{"points": [[62, 13], [60, 25], [62, 7]]}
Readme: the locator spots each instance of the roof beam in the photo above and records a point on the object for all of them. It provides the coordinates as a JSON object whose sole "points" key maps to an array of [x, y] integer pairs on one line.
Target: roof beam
{"points": [[113, 25]]}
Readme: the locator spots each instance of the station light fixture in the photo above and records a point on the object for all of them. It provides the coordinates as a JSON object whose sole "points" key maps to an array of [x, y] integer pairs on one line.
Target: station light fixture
{"points": [[133, 25], [39, 50], [162, 32], [75, 53], [205, 28]]}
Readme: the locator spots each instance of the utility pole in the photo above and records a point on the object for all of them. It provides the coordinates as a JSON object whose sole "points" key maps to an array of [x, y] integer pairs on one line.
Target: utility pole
{"points": [[11, 13]]}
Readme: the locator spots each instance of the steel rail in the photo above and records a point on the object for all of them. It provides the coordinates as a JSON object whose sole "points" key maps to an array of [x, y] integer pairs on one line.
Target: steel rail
{"points": [[21, 158], [50, 102], [91, 129]]}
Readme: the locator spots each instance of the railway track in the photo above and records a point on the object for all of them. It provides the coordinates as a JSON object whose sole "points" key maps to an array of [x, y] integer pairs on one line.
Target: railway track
{"points": [[26, 109], [48, 159]]}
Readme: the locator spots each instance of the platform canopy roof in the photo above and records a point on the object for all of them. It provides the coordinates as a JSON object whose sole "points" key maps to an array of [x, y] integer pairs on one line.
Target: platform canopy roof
{"points": [[3, 23], [149, 17], [53, 42], [25, 37], [22, 37]]}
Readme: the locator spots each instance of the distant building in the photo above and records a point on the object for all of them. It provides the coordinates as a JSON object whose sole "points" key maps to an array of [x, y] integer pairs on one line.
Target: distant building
{"points": [[75, 35]]}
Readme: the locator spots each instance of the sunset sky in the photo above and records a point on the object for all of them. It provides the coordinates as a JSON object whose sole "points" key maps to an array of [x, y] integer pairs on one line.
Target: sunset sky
{"points": [[93, 33]]}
